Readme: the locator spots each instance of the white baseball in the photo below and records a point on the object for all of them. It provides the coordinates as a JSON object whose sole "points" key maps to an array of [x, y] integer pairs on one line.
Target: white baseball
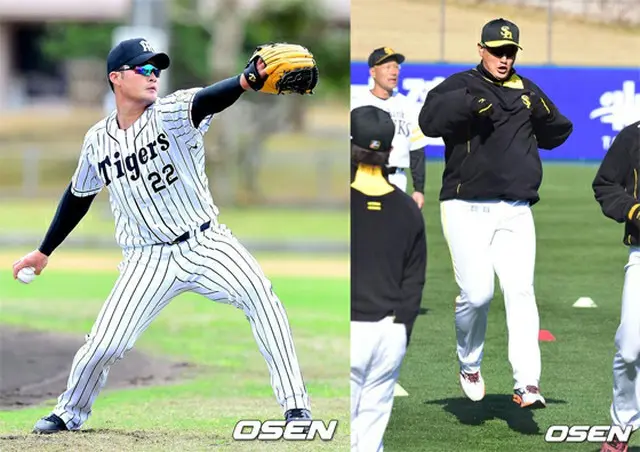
{"points": [[27, 274]]}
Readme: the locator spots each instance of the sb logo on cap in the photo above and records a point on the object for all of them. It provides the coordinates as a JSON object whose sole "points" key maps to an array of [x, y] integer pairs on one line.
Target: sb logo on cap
{"points": [[375, 144], [506, 32]]}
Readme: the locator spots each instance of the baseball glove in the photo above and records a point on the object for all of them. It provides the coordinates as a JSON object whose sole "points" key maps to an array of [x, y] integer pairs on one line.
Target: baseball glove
{"points": [[290, 68]]}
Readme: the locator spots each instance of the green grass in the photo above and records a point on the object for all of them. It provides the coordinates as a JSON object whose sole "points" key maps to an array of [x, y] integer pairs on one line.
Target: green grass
{"points": [[579, 254], [200, 413], [249, 223]]}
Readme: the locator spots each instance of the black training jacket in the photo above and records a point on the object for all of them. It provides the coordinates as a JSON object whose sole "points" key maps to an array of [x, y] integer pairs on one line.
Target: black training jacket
{"points": [[616, 183], [388, 257], [495, 157]]}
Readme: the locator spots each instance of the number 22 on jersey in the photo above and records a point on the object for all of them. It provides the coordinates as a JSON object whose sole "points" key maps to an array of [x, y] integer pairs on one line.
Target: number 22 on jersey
{"points": [[130, 165]]}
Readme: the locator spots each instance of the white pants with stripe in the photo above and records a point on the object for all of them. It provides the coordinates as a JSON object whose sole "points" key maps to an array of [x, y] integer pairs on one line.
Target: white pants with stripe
{"points": [[212, 263], [625, 409], [484, 239], [377, 351]]}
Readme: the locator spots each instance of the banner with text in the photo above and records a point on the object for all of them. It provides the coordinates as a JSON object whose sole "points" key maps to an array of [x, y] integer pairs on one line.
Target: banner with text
{"points": [[599, 101]]}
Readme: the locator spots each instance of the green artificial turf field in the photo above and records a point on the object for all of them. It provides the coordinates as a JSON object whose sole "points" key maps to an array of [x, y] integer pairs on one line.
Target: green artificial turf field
{"points": [[579, 254]]}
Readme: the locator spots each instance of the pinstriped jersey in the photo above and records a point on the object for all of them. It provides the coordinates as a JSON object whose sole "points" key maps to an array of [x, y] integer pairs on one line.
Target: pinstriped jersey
{"points": [[154, 171], [404, 114]]}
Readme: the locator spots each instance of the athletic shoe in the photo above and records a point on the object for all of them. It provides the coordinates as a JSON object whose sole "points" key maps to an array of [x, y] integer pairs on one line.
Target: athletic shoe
{"points": [[472, 385], [50, 424], [529, 397], [614, 446], [297, 414]]}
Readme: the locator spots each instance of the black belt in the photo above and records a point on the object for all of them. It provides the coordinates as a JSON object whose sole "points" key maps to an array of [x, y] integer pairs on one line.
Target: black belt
{"points": [[187, 235], [393, 169]]}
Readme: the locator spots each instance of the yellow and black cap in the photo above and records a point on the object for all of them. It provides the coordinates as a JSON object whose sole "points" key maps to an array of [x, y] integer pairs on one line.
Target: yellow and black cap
{"points": [[384, 54], [372, 129], [500, 32]]}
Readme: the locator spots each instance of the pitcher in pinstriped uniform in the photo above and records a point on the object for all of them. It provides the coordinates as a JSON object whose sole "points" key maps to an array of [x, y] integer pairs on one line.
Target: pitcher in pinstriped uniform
{"points": [[149, 154]]}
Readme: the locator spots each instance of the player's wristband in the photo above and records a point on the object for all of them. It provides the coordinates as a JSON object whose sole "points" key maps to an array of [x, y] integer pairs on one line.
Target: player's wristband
{"points": [[251, 74]]}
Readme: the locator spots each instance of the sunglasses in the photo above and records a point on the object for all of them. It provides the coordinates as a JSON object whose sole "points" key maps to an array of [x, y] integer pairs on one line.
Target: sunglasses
{"points": [[145, 70], [508, 51]]}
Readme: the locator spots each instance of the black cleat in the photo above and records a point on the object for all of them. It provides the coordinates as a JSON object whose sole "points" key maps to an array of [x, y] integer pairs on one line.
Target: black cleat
{"points": [[50, 424], [297, 414]]}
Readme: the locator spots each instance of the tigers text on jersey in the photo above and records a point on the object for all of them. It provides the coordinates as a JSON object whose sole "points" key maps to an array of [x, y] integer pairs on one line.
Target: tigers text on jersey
{"points": [[408, 136], [154, 171]]}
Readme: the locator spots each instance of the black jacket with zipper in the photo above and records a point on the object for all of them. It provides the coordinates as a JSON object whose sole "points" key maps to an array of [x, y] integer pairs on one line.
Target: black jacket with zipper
{"points": [[493, 157], [616, 183]]}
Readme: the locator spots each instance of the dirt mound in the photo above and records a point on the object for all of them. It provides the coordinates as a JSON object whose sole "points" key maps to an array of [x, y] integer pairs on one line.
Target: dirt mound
{"points": [[35, 365]]}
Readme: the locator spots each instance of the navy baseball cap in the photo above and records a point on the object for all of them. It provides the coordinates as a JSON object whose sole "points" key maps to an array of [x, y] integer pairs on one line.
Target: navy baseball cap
{"points": [[134, 52], [384, 54], [372, 129]]}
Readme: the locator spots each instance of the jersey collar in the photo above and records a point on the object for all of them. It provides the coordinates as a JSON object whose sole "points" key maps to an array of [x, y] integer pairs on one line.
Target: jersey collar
{"points": [[514, 81], [370, 181], [117, 133]]}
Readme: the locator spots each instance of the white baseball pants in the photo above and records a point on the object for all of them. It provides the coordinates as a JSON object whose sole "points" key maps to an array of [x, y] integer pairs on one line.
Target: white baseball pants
{"points": [[488, 237], [399, 179], [625, 409], [213, 264], [377, 351]]}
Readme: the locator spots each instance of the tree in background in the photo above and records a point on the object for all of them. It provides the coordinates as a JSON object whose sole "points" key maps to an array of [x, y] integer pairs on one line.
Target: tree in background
{"points": [[192, 48], [241, 133], [82, 47]]}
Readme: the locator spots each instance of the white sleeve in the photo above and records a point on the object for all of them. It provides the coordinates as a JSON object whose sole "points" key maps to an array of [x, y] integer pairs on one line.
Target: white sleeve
{"points": [[86, 181], [175, 111], [417, 140]]}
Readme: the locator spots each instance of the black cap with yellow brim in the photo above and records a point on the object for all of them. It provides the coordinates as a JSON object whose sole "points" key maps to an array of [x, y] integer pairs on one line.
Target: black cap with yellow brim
{"points": [[384, 54], [500, 32]]}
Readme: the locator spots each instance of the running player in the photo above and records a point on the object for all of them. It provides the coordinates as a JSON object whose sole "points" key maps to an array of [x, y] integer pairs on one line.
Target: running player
{"points": [[493, 122]]}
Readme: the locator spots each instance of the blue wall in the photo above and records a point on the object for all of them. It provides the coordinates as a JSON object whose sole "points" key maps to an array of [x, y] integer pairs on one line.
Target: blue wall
{"points": [[599, 101]]}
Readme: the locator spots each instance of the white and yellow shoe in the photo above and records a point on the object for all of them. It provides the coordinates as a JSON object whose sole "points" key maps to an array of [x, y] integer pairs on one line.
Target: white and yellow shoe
{"points": [[472, 385], [529, 397]]}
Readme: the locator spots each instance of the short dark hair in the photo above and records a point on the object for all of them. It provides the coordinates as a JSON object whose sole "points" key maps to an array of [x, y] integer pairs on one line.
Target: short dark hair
{"points": [[362, 155]]}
